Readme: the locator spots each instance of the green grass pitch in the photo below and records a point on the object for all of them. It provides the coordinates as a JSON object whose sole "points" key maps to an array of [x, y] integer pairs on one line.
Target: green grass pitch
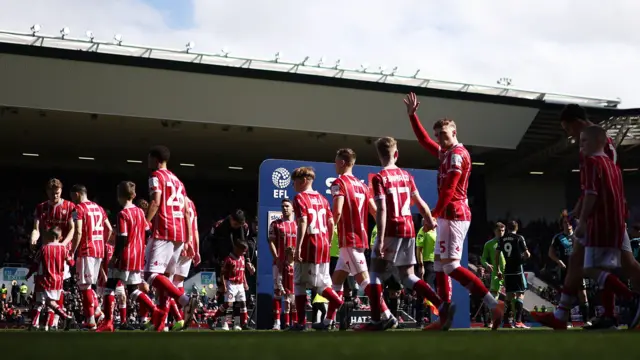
{"points": [[472, 345]]}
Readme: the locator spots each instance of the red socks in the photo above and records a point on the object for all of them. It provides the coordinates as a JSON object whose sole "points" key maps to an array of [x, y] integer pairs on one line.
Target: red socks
{"points": [[285, 319], [174, 311], [470, 281], [374, 292], [615, 286], [163, 284], [276, 308], [334, 302], [123, 313], [88, 303], [608, 300], [424, 290], [443, 283], [51, 318], [301, 308], [109, 301]]}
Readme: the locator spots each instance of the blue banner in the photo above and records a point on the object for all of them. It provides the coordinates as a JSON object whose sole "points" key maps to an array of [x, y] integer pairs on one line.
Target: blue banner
{"points": [[275, 184], [10, 274], [207, 278]]}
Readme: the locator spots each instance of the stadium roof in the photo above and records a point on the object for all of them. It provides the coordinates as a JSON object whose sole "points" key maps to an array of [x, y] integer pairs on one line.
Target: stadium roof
{"points": [[117, 47]]}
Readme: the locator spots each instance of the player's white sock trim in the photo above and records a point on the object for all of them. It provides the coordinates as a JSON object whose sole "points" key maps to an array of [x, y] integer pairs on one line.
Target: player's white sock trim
{"points": [[491, 301], [134, 295], [183, 300], [178, 284], [410, 281], [602, 279], [337, 287], [437, 266], [451, 267], [374, 278], [364, 283]]}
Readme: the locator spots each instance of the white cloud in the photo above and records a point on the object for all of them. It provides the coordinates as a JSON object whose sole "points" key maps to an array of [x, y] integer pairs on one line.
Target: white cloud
{"points": [[567, 46]]}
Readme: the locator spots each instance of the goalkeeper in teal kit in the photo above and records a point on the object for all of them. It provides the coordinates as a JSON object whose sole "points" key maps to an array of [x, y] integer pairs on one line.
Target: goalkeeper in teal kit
{"points": [[488, 260]]}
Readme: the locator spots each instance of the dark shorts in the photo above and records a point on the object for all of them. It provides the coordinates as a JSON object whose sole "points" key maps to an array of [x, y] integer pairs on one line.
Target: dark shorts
{"points": [[514, 283]]}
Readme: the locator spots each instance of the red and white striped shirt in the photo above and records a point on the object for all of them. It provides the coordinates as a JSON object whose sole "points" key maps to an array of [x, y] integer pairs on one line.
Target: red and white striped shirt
{"points": [[455, 159], [168, 223], [352, 226], [92, 238], [287, 279], [283, 233], [132, 224], [234, 268], [606, 223], [317, 239], [51, 215], [609, 150], [51, 268], [193, 214], [396, 187]]}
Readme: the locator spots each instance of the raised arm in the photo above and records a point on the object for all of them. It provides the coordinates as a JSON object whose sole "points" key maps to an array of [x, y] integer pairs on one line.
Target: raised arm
{"points": [[412, 103], [35, 232]]}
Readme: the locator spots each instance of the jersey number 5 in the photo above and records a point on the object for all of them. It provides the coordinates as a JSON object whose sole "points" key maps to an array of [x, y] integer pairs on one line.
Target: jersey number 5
{"points": [[405, 208], [317, 221]]}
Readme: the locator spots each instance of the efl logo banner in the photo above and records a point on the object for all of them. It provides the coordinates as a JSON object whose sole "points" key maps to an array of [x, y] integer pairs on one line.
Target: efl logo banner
{"points": [[275, 184]]}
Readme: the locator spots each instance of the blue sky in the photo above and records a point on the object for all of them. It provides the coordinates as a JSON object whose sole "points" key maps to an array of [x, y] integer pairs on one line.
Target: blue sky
{"points": [[177, 14], [573, 47]]}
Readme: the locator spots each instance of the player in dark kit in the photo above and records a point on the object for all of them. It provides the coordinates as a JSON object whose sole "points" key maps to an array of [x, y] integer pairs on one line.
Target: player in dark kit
{"points": [[559, 252], [515, 253]]}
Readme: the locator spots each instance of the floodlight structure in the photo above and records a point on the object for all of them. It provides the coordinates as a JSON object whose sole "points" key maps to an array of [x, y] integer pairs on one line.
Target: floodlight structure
{"points": [[190, 45], [321, 68], [35, 28], [364, 67], [504, 81], [381, 69], [89, 35], [64, 32], [224, 52], [394, 71], [304, 62]]}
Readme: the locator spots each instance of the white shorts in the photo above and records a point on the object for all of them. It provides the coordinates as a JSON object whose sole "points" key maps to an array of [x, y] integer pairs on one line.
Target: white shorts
{"points": [[183, 266], [600, 257], [87, 270], [67, 273], [277, 279], [48, 295], [309, 275], [398, 251], [352, 260], [450, 238], [120, 291], [127, 277], [235, 292], [162, 256]]}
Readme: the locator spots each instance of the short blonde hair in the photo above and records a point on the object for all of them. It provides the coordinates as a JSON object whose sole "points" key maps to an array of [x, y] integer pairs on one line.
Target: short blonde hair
{"points": [[304, 172], [385, 146], [444, 122]]}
